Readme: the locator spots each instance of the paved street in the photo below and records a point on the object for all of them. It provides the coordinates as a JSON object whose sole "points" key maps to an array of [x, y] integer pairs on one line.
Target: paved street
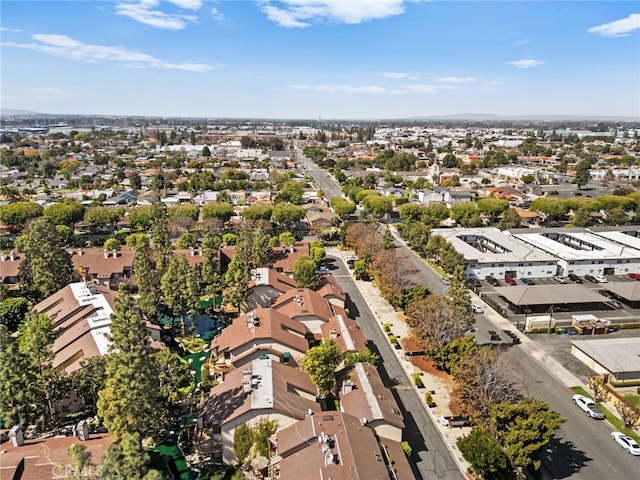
{"points": [[433, 458], [581, 449]]}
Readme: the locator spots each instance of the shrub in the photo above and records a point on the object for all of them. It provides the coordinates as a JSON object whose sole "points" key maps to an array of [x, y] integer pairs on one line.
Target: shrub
{"points": [[428, 399], [393, 339], [417, 380], [386, 327], [406, 448]]}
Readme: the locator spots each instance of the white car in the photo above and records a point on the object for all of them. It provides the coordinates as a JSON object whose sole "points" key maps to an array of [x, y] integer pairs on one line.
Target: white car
{"points": [[475, 308], [588, 406], [600, 279], [626, 442], [322, 271]]}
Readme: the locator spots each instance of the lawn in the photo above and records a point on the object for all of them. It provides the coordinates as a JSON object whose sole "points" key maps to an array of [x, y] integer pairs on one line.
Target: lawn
{"points": [[633, 400], [610, 417]]}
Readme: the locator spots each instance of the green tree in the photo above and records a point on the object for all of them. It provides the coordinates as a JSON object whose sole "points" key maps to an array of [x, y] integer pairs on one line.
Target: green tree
{"points": [[81, 462], [185, 209], [287, 239], [88, 380], [351, 358], [450, 356], [187, 240], [47, 265], [242, 441], [290, 192], [220, 210], [492, 207], [320, 363], [180, 289], [510, 219], [66, 212], [258, 212], [342, 207], [378, 206], [582, 173], [524, 428], [147, 278], [13, 311], [131, 402], [20, 392], [126, 459], [484, 453], [458, 291], [304, 271], [141, 217], [104, 216], [17, 214], [388, 242], [286, 214], [160, 238]]}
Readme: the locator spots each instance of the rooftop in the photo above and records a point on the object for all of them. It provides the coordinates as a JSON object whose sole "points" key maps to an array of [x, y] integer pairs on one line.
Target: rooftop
{"points": [[616, 355]]}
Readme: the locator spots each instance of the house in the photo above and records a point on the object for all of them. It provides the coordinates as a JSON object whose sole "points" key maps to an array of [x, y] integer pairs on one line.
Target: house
{"points": [[282, 259], [260, 333], [268, 389], [81, 318], [107, 268], [490, 252], [10, 269], [48, 458], [336, 445], [617, 357], [306, 306], [265, 286], [279, 158], [364, 396]]}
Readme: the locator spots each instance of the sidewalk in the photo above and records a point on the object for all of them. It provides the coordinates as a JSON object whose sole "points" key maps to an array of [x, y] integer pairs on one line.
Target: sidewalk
{"points": [[385, 313]]}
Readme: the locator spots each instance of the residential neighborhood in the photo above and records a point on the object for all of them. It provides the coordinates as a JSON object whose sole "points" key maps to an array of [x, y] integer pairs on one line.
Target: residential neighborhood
{"points": [[183, 292]]}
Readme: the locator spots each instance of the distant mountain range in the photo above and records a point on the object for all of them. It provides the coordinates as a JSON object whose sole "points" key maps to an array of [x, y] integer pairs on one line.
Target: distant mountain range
{"points": [[470, 117]]}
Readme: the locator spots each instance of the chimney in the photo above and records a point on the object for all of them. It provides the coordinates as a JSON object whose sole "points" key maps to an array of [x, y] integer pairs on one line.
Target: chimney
{"points": [[106, 254], [333, 333], [12, 255], [80, 252], [115, 253], [3, 257]]}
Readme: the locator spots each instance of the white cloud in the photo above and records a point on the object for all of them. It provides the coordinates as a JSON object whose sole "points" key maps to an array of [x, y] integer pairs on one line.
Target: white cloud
{"points": [[143, 12], [46, 91], [374, 89], [457, 79], [188, 4], [399, 75], [303, 13], [67, 47], [422, 88], [526, 63], [216, 15], [619, 28], [493, 83], [349, 89], [14, 30]]}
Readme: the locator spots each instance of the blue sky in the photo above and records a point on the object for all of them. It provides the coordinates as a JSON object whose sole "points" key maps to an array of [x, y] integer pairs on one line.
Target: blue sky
{"points": [[350, 59]]}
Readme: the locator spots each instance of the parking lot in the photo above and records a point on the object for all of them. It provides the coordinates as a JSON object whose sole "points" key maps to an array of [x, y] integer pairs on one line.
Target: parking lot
{"points": [[612, 306]]}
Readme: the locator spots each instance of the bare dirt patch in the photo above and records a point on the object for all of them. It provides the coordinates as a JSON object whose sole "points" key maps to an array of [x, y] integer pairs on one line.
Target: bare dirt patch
{"points": [[411, 344]]}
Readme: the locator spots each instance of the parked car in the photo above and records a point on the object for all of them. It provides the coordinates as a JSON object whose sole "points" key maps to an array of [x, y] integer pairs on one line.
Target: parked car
{"points": [[510, 281], [590, 277], [445, 280], [574, 278], [600, 279], [473, 283], [493, 281], [588, 406], [528, 281], [626, 442], [615, 304], [560, 279], [475, 308], [454, 421], [634, 276], [322, 271]]}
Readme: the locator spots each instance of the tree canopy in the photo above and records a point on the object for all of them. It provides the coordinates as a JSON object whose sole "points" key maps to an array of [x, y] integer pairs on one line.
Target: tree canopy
{"points": [[320, 363]]}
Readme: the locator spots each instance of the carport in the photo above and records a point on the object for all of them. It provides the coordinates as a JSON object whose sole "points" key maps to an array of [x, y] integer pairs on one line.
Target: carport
{"points": [[547, 295], [630, 291]]}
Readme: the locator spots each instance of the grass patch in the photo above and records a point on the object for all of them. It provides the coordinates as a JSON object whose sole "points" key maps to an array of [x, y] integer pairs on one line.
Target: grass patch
{"points": [[633, 400], [610, 417], [437, 268]]}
